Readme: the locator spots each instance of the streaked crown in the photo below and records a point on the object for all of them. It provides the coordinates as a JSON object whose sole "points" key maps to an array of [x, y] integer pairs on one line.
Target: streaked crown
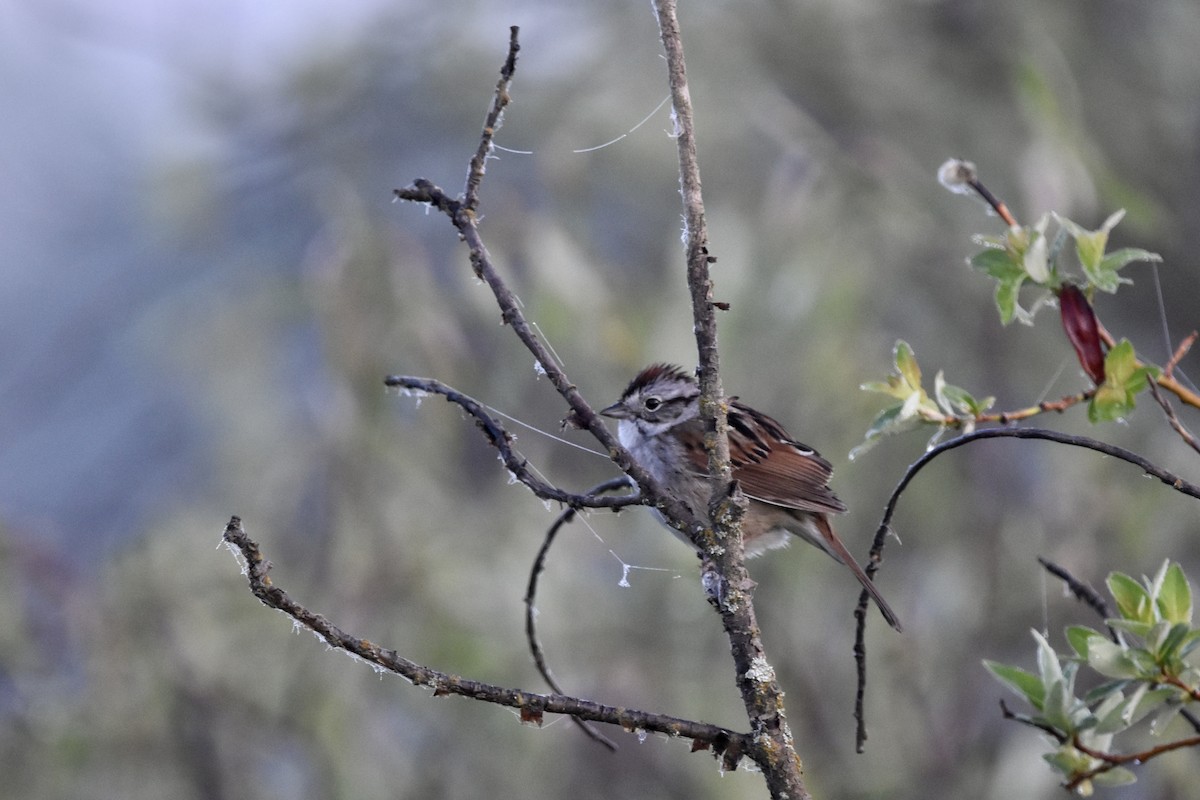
{"points": [[660, 397]]}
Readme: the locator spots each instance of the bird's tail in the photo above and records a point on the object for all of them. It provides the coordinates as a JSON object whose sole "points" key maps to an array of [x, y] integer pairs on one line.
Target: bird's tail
{"points": [[831, 544]]}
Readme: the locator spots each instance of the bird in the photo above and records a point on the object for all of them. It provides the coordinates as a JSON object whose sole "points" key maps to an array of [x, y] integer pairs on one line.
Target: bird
{"points": [[785, 482]]}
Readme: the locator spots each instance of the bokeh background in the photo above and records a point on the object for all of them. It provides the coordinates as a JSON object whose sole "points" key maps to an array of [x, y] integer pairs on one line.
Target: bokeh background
{"points": [[204, 283]]}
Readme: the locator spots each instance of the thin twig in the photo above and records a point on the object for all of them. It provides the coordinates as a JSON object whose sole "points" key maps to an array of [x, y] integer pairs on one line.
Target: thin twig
{"points": [[532, 706], [500, 99], [539, 563], [1112, 760], [1180, 352], [1057, 406], [499, 438], [876, 554], [1172, 418]]}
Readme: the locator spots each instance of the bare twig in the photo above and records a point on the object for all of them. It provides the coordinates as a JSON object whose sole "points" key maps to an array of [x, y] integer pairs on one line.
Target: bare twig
{"points": [[499, 438], [491, 124], [728, 744], [1180, 352], [1057, 406], [1112, 760], [539, 563], [1172, 418], [876, 554]]}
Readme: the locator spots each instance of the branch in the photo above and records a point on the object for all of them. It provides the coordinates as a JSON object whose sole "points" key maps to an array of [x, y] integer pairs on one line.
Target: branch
{"points": [[539, 563], [491, 124], [732, 595], [1173, 418], [1180, 352], [1057, 406], [876, 554], [1112, 760], [499, 438], [532, 706]]}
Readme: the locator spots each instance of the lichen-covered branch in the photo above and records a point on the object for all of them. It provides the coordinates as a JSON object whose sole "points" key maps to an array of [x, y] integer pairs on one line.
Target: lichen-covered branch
{"points": [[763, 699]]}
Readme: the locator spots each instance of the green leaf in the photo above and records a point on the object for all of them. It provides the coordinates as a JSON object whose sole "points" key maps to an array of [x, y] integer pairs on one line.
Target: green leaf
{"points": [[1113, 712], [1175, 596], [1069, 761], [1101, 269], [1164, 715], [1127, 255], [1120, 363], [1190, 643], [1048, 665], [1090, 245], [1034, 263], [906, 364], [1152, 701], [1117, 776], [889, 421], [1142, 630], [1078, 637], [1104, 689], [1132, 599], [889, 388], [1007, 292], [1016, 257], [956, 401], [1168, 649], [1000, 264], [1117, 716], [1159, 632], [1111, 660], [1105, 278], [1056, 708], [1021, 681], [1124, 377], [884, 420]]}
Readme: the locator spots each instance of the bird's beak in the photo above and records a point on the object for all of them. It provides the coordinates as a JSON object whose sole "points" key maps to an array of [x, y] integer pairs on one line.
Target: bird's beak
{"points": [[615, 411]]}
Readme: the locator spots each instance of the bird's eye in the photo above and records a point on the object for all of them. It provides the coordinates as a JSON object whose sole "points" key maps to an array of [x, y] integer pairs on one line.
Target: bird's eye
{"points": [[653, 404]]}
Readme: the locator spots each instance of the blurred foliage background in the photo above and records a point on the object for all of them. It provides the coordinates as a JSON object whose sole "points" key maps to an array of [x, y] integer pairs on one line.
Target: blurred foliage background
{"points": [[205, 282]]}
